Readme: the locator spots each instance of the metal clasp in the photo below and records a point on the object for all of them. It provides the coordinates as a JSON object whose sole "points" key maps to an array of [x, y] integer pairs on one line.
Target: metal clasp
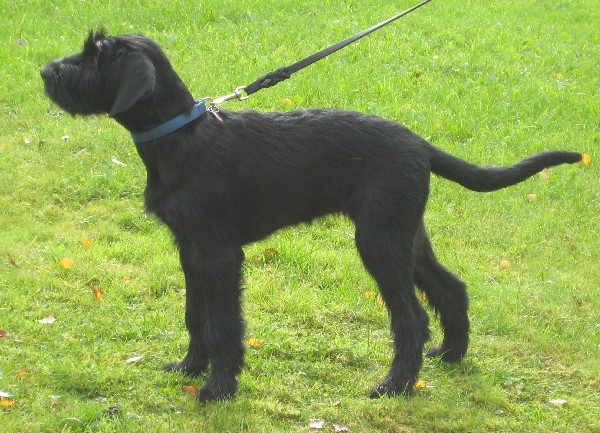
{"points": [[237, 94]]}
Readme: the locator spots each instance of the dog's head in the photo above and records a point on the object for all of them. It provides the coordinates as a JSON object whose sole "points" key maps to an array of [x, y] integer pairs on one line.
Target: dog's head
{"points": [[112, 75]]}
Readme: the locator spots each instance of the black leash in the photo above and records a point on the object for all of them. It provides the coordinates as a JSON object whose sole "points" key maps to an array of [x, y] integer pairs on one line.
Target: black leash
{"points": [[281, 74]]}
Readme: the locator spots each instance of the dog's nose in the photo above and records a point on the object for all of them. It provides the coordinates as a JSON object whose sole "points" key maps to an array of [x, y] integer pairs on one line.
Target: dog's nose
{"points": [[50, 69]]}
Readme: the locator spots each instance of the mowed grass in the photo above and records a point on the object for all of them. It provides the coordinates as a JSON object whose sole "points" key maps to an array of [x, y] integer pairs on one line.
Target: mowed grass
{"points": [[490, 82]]}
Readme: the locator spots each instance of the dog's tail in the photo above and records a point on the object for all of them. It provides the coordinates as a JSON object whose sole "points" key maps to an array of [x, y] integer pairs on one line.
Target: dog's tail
{"points": [[485, 179]]}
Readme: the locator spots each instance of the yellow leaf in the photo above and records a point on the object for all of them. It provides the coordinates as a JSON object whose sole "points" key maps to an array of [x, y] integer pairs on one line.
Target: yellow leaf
{"points": [[86, 243], [97, 292], [191, 390], [22, 373], [560, 76], [6, 403], [544, 175], [288, 101], [421, 384], [586, 159], [532, 197], [422, 296], [437, 126], [65, 263], [504, 264], [255, 343]]}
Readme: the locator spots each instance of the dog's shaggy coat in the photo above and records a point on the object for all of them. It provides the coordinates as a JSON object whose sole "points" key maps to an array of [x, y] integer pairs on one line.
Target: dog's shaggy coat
{"points": [[221, 184]]}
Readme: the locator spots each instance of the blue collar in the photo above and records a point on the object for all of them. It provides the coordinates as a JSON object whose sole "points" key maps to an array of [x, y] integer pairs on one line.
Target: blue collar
{"points": [[171, 125]]}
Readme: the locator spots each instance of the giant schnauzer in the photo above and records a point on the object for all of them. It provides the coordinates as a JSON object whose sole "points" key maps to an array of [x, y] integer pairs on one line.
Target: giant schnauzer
{"points": [[220, 180]]}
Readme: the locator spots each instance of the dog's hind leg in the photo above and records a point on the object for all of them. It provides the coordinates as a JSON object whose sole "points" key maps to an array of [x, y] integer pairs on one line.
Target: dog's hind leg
{"points": [[448, 297], [214, 317], [386, 248]]}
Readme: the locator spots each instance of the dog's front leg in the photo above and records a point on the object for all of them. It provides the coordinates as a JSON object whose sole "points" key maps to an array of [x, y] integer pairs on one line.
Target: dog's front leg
{"points": [[213, 317]]}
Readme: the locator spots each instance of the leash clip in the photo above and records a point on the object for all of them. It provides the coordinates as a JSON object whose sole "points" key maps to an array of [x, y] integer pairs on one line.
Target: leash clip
{"points": [[237, 94]]}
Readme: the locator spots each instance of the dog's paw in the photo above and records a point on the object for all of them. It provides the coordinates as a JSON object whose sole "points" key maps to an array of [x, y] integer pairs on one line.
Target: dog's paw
{"points": [[220, 392], [389, 389], [445, 354], [188, 368]]}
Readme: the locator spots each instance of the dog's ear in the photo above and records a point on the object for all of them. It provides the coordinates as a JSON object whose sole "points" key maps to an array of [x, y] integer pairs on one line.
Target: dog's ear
{"points": [[136, 78]]}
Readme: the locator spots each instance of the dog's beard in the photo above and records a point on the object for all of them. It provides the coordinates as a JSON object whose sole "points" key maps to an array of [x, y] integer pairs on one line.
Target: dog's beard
{"points": [[64, 91]]}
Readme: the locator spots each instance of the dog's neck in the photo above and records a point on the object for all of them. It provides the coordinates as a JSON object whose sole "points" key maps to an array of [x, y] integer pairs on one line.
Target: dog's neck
{"points": [[160, 106]]}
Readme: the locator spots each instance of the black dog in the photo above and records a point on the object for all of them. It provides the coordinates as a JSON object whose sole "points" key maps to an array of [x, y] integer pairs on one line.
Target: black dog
{"points": [[229, 178]]}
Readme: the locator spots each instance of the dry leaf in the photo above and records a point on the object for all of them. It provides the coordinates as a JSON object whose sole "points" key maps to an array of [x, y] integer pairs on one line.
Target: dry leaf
{"points": [[558, 402], [380, 300], [544, 175], [271, 251], [571, 244], [22, 373], [288, 101], [316, 424], [117, 162], [13, 262], [86, 243], [191, 390], [422, 296], [97, 292], [48, 320], [255, 343], [4, 333], [586, 159], [134, 359], [532, 197], [339, 428], [6, 404], [421, 384], [437, 126], [504, 264], [65, 263], [369, 294]]}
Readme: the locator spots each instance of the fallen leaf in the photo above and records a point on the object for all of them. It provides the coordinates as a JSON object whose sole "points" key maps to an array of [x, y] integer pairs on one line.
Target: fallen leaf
{"points": [[421, 384], [339, 428], [544, 175], [532, 197], [255, 343], [65, 263], [578, 302], [271, 251], [191, 390], [97, 292], [380, 300], [586, 159], [117, 162], [504, 264], [558, 402], [6, 404], [13, 262], [288, 101], [48, 320], [4, 333], [22, 373], [437, 126], [134, 359], [369, 294], [422, 296], [86, 243], [571, 244], [316, 424]]}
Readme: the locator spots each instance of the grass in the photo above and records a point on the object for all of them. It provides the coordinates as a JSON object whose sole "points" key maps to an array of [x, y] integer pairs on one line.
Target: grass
{"points": [[490, 82]]}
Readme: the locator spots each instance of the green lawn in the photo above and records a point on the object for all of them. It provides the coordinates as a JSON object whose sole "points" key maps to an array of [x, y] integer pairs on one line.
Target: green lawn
{"points": [[491, 82]]}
